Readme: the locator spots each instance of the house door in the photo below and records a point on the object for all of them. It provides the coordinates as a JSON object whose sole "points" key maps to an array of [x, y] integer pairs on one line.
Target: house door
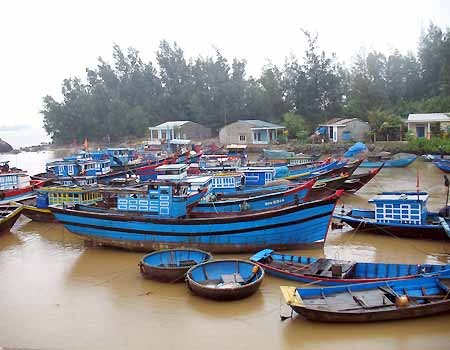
{"points": [[420, 131], [335, 137]]}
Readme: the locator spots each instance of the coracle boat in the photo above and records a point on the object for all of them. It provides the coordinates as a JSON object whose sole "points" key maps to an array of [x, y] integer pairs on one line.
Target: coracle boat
{"points": [[402, 214], [171, 265], [338, 272], [158, 218], [225, 279], [9, 213], [369, 302]]}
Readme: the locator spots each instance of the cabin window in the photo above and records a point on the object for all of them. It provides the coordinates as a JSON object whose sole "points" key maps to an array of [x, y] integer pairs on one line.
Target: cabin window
{"points": [[242, 138], [165, 191], [388, 211]]}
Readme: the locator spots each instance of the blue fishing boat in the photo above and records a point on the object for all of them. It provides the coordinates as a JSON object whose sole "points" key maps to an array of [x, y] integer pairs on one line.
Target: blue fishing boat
{"points": [[225, 279], [442, 164], [369, 302], [389, 163], [337, 272], [171, 265], [289, 196], [401, 214], [160, 217]]}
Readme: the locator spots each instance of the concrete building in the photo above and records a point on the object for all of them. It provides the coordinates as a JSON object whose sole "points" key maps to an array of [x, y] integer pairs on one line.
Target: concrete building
{"points": [[344, 129], [422, 125], [250, 132], [179, 130]]}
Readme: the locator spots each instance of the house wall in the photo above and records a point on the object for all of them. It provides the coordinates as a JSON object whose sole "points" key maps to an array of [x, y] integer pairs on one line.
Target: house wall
{"points": [[238, 133], [357, 128], [193, 131]]}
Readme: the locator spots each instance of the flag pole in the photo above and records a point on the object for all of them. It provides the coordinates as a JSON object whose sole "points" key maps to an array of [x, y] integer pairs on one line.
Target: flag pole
{"points": [[447, 184]]}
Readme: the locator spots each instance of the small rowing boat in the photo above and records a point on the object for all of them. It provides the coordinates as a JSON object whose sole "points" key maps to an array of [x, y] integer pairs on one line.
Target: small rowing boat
{"points": [[369, 302], [337, 272], [9, 213]]}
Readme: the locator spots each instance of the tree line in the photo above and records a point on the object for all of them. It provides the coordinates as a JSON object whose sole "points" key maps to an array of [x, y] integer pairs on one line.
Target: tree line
{"points": [[122, 99]]}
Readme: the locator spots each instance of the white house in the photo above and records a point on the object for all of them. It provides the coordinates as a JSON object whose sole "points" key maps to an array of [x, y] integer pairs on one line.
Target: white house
{"points": [[420, 124]]}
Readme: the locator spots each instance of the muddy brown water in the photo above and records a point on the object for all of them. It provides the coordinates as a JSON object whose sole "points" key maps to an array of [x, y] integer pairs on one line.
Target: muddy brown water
{"points": [[57, 294]]}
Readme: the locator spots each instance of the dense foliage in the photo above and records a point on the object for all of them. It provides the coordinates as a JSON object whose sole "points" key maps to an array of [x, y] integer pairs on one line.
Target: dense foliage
{"points": [[123, 99]]}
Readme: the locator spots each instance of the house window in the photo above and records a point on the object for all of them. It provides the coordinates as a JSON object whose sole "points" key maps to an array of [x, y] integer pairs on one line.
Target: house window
{"points": [[241, 137]]}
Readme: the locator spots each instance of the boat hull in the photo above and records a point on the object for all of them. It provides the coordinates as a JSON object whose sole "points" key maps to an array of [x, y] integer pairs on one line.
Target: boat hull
{"points": [[38, 214], [7, 222], [171, 274], [435, 232], [394, 163], [223, 294], [295, 227]]}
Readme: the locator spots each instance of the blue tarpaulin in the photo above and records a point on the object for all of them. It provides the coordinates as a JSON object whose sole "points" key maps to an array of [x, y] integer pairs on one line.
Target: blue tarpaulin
{"points": [[357, 148]]}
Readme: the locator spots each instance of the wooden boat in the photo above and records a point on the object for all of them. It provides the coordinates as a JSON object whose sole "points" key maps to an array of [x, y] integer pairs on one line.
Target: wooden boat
{"points": [[160, 218], [225, 279], [171, 265], [389, 163], [9, 213], [325, 187], [369, 302], [16, 184], [356, 182], [401, 214], [337, 272], [289, 196], [442, 164], [37, 208]]}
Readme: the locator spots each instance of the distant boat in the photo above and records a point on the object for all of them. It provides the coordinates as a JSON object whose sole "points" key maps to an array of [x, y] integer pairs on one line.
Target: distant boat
{"points": [[370, 302], [158, 217], [442, 164], [337, 272], [9, 213], [402, 214], [389, 163], [171, 265], [225, 279]]}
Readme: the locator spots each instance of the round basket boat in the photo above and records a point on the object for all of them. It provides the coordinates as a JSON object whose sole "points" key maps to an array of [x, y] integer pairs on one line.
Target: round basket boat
{"points": [[171, 265], [225, 279]]}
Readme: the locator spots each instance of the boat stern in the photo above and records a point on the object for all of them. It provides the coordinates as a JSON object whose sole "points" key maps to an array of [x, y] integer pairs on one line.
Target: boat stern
{"points": [[291, 296], [261, 255]]}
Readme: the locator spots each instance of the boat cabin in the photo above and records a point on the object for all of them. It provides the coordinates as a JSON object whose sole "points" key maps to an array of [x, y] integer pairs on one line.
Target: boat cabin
{"points": [[66, 195], [227, 182], [172, 172], [199, 182], [14, 180], [162, 199], [77, 181], [401, 207], [258, 176], [73, 166], [120, 156]]}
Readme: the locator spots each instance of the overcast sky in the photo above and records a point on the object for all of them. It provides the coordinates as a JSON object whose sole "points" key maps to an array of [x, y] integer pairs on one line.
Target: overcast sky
{"points": [[43, 41]]}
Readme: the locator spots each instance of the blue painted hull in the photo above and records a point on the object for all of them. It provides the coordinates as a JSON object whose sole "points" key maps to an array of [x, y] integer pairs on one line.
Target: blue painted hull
{"points": [[394, 163], [305, 269], [424, 231], [442, 165], [293, 227], [258, 202]]}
